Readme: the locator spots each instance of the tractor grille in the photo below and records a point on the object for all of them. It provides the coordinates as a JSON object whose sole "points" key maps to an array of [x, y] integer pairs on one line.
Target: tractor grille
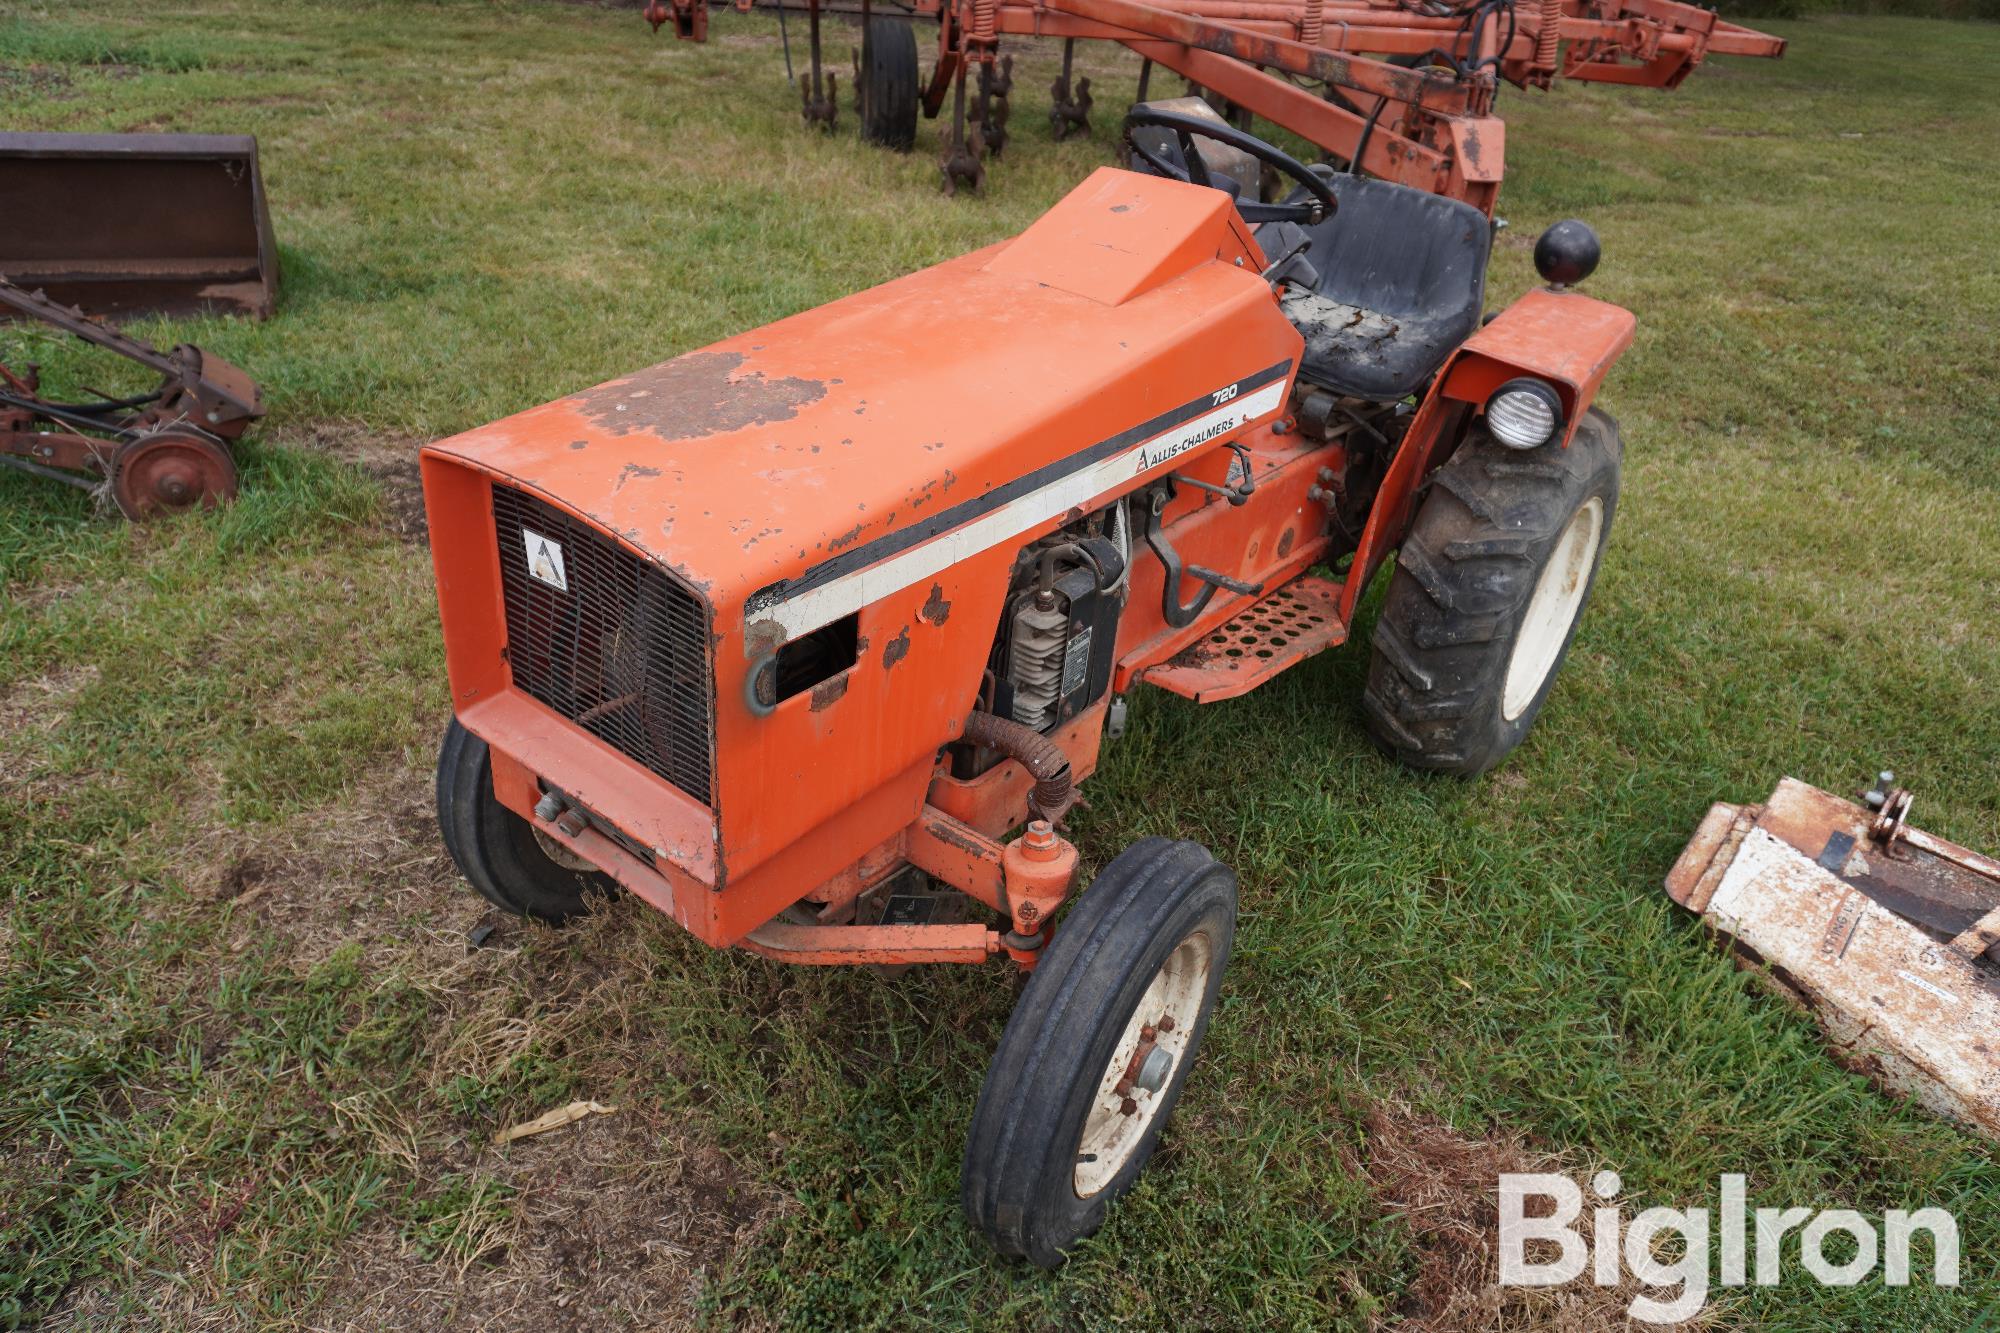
{"points": [[622, 652]]}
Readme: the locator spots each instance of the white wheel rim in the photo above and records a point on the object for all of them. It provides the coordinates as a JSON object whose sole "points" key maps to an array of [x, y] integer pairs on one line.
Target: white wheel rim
{"points": [[1552, 610], [1109, 1134]]}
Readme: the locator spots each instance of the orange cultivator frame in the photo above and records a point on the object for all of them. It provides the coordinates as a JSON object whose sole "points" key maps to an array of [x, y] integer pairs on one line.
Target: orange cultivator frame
{"points": [[1403, 89]]}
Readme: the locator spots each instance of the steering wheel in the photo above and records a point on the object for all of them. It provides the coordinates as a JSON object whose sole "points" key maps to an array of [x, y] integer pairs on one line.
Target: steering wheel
{"points": [[1319, 205]]}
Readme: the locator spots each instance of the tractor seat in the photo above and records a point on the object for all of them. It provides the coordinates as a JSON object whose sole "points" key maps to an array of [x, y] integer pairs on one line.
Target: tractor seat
{"points": [[1394, 280]]}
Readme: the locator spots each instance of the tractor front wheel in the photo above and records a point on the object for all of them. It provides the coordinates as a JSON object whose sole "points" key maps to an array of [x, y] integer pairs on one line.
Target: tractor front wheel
{"points": [[1098, 1049], [1486, 595], [496, 850]]}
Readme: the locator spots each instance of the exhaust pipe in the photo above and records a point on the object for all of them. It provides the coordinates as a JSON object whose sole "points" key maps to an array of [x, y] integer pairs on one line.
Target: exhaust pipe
{"points": [[1042, 757]]}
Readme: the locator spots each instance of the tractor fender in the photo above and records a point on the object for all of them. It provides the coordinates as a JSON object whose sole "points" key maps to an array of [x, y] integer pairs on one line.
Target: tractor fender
{"points": [[1565, 338]]}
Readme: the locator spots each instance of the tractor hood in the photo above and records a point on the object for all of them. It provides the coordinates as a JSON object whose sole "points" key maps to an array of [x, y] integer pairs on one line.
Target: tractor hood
{"points": [[745, 465], [852, 483]]}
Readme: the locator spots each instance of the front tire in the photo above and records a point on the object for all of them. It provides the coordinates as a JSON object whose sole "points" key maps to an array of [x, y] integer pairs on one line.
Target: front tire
{"points": [[1488, 589], [1054, 1140], [497, 850]]}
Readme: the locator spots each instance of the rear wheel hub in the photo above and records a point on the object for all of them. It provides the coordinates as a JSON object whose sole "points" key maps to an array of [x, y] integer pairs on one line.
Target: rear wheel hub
{"points": [[170, 472]]}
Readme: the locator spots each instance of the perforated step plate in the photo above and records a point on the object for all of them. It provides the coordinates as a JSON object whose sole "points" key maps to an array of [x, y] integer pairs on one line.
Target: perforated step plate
{"points": [[1284, 629]]}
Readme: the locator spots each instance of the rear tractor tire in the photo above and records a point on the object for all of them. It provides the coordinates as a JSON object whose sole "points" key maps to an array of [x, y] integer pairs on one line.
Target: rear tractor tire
{"points": [[887, 85], [497, 851], [1488, 589], [1098, 1049]]}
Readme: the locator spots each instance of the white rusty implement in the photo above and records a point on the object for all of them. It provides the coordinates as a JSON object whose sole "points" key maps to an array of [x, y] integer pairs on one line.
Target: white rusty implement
{"points": [[1884, 933]]}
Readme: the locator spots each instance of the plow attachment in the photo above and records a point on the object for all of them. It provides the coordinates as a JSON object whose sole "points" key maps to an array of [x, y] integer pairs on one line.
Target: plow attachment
{"points": [[124, 224], [1888, 936]]}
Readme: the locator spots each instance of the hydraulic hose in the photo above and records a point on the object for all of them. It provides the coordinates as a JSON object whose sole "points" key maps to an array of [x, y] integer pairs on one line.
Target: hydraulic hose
{"points": [[1042, 757]]}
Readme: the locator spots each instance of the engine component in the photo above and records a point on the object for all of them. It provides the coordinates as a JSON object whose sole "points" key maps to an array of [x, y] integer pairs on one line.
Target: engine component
{"points": [[1061, 627], [1038, 659], [1037, 753]]}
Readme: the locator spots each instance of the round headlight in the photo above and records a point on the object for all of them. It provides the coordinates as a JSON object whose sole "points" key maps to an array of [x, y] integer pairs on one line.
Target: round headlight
{"points": [[1523, 414]]}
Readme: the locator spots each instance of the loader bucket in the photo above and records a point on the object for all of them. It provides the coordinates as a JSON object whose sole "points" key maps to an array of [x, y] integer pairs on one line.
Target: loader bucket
{"points": [[122, 224]]}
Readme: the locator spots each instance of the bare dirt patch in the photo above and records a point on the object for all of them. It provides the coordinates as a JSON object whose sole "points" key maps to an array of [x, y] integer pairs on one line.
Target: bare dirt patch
{"points": [[616, 1222], [1444, 1186], [369, 869], [43, 703], [50, 82], [388, 457], [32, 710], [612, 1223]]}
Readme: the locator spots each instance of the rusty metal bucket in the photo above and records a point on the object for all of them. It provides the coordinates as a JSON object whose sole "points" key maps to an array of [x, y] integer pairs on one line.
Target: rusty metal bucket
{"points": [[124, 224]]}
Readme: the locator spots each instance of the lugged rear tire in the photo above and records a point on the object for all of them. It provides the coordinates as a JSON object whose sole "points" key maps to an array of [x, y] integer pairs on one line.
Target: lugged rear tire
{"points": [[494, 848], [1158, 922], [1488, 589], [889, 84]]}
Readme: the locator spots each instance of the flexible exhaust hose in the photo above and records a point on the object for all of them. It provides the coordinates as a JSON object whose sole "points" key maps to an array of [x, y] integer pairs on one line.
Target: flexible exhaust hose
{"points": [[1042, 757]]}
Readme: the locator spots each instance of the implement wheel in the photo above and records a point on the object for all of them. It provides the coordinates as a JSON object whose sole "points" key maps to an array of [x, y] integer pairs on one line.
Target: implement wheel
{"points": [[499, 853], [171, 472], [1486, 595], [1096, 1053], [888, 84]]}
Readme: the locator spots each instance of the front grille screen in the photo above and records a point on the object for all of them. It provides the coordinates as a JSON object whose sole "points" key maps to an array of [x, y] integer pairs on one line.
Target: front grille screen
{"points": [[606, 639]]}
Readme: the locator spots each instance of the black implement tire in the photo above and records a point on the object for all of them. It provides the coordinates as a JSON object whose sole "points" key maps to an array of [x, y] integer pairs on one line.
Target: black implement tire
{"points": [[494, 848], [1488, 589], [889, 84], [1159, 901]]}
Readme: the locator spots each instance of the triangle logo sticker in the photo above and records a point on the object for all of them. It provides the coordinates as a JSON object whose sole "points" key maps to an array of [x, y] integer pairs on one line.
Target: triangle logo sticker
{"points": [[545, 560]]}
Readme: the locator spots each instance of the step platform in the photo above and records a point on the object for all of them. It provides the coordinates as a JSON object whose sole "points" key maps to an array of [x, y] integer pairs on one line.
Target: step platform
{"points": [[1300, 619]]}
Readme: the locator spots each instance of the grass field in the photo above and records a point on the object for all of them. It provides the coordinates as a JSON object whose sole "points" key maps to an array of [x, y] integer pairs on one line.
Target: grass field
{"points": [[249, 1063]]}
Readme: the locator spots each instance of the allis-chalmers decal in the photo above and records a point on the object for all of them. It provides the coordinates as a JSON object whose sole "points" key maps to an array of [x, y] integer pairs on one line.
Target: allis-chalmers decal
{"points": [[895, 560]]}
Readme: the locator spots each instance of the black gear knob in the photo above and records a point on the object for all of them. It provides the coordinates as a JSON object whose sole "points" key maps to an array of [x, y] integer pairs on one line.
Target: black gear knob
{"points": [[1567, 253]]}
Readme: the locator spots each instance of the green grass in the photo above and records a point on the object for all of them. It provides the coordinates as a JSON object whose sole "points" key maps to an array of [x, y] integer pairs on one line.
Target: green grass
{"points": [[248, 1065]]}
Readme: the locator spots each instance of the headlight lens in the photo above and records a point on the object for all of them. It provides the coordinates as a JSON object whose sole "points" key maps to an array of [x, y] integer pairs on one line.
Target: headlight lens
{"points": [[1523, 414]]}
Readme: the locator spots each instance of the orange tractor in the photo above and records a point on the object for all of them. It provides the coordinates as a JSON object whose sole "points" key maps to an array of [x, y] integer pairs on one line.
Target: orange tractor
{"points": [[807, 638]]}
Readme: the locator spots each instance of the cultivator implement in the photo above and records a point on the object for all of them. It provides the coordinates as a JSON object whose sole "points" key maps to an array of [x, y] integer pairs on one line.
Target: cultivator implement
{"points": [[1404, 91], [151, 453]]}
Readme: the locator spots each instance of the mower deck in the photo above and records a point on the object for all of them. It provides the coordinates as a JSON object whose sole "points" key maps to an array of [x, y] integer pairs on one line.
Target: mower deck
{"points": [[1885, 934]]}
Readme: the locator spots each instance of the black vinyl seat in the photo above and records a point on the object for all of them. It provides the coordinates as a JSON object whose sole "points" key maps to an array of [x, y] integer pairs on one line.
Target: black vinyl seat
{"points": [[1394, 280]]}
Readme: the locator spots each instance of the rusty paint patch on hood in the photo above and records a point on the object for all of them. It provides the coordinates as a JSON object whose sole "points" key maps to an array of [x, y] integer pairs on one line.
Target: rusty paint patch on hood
{"points": [[695, 395], [936, 610]]}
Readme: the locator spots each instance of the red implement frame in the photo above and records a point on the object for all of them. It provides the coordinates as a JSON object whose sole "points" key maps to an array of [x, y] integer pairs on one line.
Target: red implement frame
{"points": [[1301, 64]]}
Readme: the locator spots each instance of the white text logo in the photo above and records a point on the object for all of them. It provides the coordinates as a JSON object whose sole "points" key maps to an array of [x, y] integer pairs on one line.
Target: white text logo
{"points": [[1750, 1244]]}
